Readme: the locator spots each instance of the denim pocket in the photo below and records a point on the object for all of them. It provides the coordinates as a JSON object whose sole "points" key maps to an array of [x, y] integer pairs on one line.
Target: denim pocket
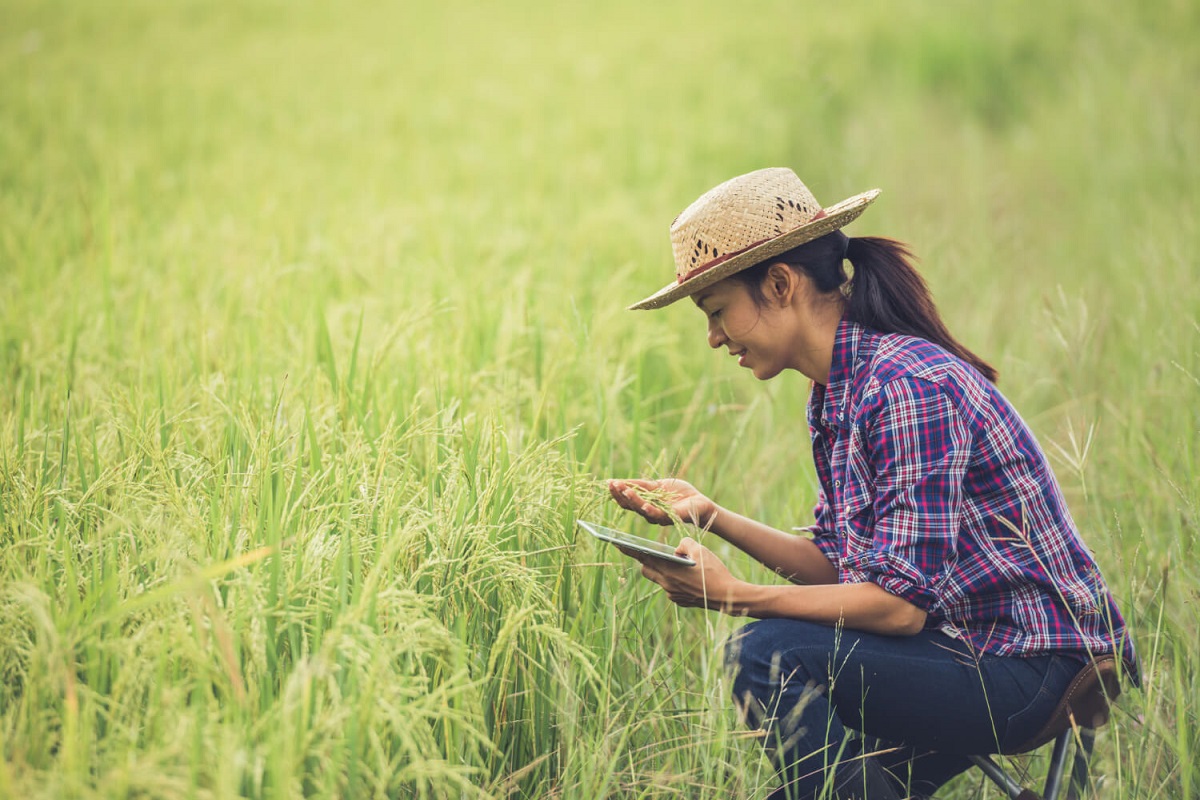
{"points": [[1022, 725]]}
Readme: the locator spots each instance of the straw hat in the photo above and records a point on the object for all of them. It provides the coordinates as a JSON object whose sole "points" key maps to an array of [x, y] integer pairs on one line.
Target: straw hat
{"points": [[743, 222]]}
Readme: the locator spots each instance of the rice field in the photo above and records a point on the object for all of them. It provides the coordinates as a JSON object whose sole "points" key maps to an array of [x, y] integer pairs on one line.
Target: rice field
{"points": [[313, 346]]}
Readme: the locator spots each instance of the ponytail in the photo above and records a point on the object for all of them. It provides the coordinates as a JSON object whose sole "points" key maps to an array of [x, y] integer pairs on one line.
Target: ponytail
{"points": [[887, 294]]}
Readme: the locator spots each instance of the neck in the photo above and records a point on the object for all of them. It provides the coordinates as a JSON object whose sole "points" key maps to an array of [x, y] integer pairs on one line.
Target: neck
{"points": [[813, 352]]}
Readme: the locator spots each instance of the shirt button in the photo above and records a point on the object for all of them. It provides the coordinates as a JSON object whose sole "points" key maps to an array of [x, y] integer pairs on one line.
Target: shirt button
{"points": [[837, 483]]}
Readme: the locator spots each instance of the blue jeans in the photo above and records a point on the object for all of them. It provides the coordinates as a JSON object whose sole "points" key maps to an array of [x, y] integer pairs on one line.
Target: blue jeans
{"points": [[918, 704]]}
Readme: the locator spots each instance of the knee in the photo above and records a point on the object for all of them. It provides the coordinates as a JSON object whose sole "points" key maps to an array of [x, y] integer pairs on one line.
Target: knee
{"points": [[745, 650], [765, 656]]}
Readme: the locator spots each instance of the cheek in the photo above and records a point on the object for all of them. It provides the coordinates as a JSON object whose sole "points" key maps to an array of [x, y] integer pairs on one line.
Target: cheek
{"points": [[739, 323], [751, 328]]}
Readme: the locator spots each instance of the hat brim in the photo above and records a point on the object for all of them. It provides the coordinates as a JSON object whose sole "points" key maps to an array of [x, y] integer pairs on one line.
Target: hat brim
{"points": [[836, 216]]}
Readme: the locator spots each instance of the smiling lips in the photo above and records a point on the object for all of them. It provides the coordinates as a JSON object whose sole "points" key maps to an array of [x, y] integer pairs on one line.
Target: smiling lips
{"points": [[741, 356]]}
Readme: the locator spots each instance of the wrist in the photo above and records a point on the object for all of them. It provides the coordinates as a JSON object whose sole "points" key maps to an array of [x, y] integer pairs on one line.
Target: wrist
{"points": [[714, 519], [745, 599]]}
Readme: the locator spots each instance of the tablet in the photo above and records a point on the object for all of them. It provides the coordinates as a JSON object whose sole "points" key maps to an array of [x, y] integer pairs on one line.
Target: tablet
{"points": [[631, 542]]}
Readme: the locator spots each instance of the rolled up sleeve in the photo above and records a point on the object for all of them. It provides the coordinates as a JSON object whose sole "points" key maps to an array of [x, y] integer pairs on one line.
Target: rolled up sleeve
{"points": [[824, 530], [918, 449]]}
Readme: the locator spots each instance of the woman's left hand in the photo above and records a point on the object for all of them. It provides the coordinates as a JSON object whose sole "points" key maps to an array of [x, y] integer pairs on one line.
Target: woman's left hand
{"points": [[709, 584]]}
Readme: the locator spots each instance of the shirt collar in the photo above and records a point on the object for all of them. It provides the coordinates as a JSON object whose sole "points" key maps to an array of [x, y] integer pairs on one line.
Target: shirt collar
{"points": [[842, 369]]}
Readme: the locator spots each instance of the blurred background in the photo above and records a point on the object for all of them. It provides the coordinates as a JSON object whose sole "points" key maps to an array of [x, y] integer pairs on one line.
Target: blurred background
{"points": [[313, 345]]}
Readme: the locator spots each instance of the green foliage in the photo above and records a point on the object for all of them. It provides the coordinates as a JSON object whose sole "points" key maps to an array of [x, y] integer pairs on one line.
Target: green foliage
{"points": [[313, 346]]}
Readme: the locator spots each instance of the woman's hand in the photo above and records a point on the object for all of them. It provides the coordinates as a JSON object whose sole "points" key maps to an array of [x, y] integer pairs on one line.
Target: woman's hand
{"points": [[709, 584], [684, 500]]}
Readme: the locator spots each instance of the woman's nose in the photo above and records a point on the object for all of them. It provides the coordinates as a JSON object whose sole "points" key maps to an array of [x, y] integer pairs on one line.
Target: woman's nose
{"points": [[716, 336]]}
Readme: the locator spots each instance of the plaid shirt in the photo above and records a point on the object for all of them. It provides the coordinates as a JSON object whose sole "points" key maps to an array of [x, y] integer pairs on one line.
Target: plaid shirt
{"points": [[933, 488]]}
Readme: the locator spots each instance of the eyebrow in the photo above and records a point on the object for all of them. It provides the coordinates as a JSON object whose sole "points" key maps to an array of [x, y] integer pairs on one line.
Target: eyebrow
{"points": [[700, 298]]}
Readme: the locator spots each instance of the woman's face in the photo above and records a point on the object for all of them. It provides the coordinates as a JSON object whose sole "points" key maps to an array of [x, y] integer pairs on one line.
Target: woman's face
{"points": [[756, 336]]}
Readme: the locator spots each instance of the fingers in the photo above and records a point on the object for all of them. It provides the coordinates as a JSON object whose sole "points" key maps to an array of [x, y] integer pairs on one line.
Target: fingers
{"points": [[633, 487], [677, 591], [689, 547], [634, 554], [651, 573], [628, 498], [625, 498], [630, 484], [618, 491]]}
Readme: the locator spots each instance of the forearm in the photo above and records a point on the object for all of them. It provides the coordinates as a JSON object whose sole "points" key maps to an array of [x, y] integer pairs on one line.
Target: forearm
{"points": [[859, 606], [794, 557]]}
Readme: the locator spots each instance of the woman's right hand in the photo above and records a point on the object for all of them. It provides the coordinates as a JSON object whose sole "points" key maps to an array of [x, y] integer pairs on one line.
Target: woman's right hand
{"points": [[684, 500]]}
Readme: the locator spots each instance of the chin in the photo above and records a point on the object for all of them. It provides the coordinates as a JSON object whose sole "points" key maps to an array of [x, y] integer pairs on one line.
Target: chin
{"points": [[765, 373]]}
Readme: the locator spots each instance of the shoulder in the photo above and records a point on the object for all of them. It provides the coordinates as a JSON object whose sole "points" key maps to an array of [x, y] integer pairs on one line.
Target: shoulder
{"points": [[905, 372], [900, 357]]}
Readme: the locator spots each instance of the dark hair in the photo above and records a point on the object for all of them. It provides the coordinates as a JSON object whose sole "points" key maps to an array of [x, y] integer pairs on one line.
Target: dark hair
{"points": [[886, 293]]}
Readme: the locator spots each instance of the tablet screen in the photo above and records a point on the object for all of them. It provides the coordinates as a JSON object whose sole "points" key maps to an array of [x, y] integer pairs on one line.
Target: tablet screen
{"points": [[628, 540]]}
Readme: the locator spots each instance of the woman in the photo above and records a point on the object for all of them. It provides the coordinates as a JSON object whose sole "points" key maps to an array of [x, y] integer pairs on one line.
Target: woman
{"points": [[945, 599]]}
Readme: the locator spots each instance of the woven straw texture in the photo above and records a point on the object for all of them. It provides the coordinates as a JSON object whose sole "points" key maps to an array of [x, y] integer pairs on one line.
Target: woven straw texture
{"points": [[742, 222]]}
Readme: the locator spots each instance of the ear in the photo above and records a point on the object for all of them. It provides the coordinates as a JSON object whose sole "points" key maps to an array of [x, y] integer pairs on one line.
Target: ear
{"points": [[780, 284]]}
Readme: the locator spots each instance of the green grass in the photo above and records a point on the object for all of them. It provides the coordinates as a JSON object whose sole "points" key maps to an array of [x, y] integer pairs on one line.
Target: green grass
{"points": [[312, 346]]}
